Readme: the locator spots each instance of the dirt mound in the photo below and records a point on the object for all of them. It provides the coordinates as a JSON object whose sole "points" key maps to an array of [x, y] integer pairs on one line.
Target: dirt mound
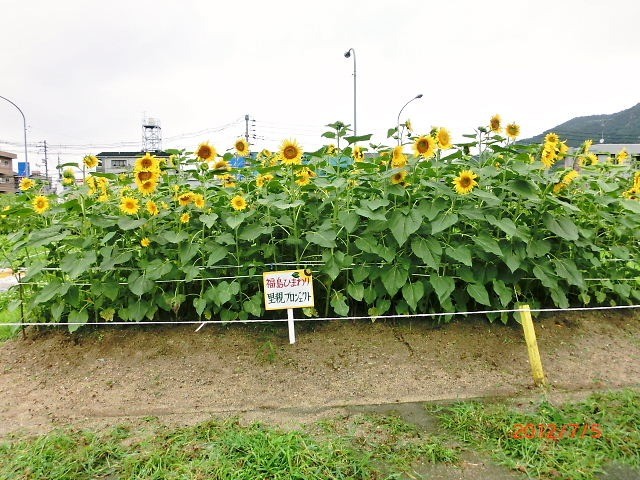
{"points": [[112, 374]]}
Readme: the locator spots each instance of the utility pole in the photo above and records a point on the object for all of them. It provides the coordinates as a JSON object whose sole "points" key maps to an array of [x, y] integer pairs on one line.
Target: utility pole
{"points": [[246, 127]]}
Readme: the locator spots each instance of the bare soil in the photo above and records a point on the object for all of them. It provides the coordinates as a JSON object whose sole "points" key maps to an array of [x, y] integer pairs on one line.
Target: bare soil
{"points": [[111, 375]]}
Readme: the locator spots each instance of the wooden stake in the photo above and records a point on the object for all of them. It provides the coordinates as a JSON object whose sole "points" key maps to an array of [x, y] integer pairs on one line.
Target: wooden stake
{"points": [[532, 345]]}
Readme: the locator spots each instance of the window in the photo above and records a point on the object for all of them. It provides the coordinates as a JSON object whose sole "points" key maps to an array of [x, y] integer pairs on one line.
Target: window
{"points": [[118, 163]]}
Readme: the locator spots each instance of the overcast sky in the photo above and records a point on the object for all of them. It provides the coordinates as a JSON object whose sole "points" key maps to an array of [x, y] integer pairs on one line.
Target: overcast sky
{"points": [[86, 72]]}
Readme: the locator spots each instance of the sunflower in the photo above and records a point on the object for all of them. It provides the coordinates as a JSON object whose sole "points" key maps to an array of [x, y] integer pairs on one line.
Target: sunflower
{"points": [[398, 158], [398, 177], [148, 187], [145, 242], [66, 181], [185, 217], [570, 177], [586, 145], [551, 138], [262, 179], [425, 146], [41, 204], [90, 161], [558, 187], [330, 149], [129, 205], [622, 156], [408, 126], [206, 152], [444, 138], [147, 163], [465, 182], [185, 199], [357, 154], [563, 149], [495, 123], [152, 207], [632, 194], [26, 184], [228, 181], [143, 176], [549, 155], [198, 200], [291, 152], [303, 179], [588, 159], [513, 130], [238, 203], [242, 147], [103, 198]]}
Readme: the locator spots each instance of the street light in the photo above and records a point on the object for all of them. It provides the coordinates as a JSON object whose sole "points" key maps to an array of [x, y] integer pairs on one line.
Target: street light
{"points": [[399, 113], [24, 124], [347, 54]]}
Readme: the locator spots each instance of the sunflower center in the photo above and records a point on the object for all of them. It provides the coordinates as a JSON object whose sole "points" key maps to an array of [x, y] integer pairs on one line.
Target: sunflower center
{"points": [[465, 182], [240, 146], [146, 163], [204, 151], [144, 176], [423, 146], [290, 152]]}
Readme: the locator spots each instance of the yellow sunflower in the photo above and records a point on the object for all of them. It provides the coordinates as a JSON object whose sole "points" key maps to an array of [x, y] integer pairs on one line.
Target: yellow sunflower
{"points": [[185, 198], [357, 154], [262, 179], [129, 205], [444, 138], [198, 200], [588, 159], [242, 147], [238, 203], [206, 152], [563, 149], [90, 161], [330, 149], [398, 177], [147, 163], [26, 184], [425, 146], [622, 156], [408, 126], [103, 198], [398, 158], [303, 179], [185, 217], [495, 124], [148, 187], [465, 182], [145, 242], [41, 204], [152, 207], [548, 155], [586, 145], [142, 176], [551, 138], [68, 181], [558, 187], [221, 165], [513, 130], [570, 177], [290, 152], [228, 181]]}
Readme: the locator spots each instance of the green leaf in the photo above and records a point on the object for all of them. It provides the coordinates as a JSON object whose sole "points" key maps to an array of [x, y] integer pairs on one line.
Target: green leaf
{"points": [[209, 219], [393, 278], [504, 293], [234, 221], [538, 248], [55, 287], [427, 250], [349, 220], [561, 226], [356, 291], [77, 263], [110, 289], [174, 237], [544, 278], [218, 252], [359, 273], [253, 232], [370, 214], [190, 272], [254, 305], [110, 260], [568, 270], [324, 238], [479, 293], [374, 203], [199, 304], [412, 293], [402, 226], [187, 251], [443, 286], [139, 284], [460, 253], [504, 224], [138, 310], [77, 317], [487, 243], [443, 221], [358, 138], [56, 311], [339, 305], [523, 188], [34, 269], [632, 205], [158, 269], [130, 223]]}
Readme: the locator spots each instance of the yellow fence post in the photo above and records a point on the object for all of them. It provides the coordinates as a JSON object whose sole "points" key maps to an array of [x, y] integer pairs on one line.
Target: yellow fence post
{"points": [[532, 345]]}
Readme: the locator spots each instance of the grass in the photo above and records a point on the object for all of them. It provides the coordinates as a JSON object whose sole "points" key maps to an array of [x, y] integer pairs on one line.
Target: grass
{"points": [[491, 428], [337, 449]]}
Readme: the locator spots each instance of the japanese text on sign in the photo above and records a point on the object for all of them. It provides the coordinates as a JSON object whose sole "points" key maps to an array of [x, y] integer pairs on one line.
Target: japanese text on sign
{"points": [[287, 289]]}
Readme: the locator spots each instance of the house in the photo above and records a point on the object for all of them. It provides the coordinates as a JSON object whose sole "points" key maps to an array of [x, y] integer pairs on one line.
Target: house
{"points": [[8, 179], [606, 150], [122, 162]]}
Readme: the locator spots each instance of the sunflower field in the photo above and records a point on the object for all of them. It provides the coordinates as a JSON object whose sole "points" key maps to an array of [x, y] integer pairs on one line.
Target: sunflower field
{"points": [[422, 226]]}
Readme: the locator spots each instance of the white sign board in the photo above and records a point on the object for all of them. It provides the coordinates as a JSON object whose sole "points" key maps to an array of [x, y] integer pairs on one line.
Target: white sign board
{"points": [[287, 289]]}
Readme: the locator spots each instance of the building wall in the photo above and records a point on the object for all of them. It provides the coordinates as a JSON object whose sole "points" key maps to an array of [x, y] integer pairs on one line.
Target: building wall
{"points": [[7, 176]]}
